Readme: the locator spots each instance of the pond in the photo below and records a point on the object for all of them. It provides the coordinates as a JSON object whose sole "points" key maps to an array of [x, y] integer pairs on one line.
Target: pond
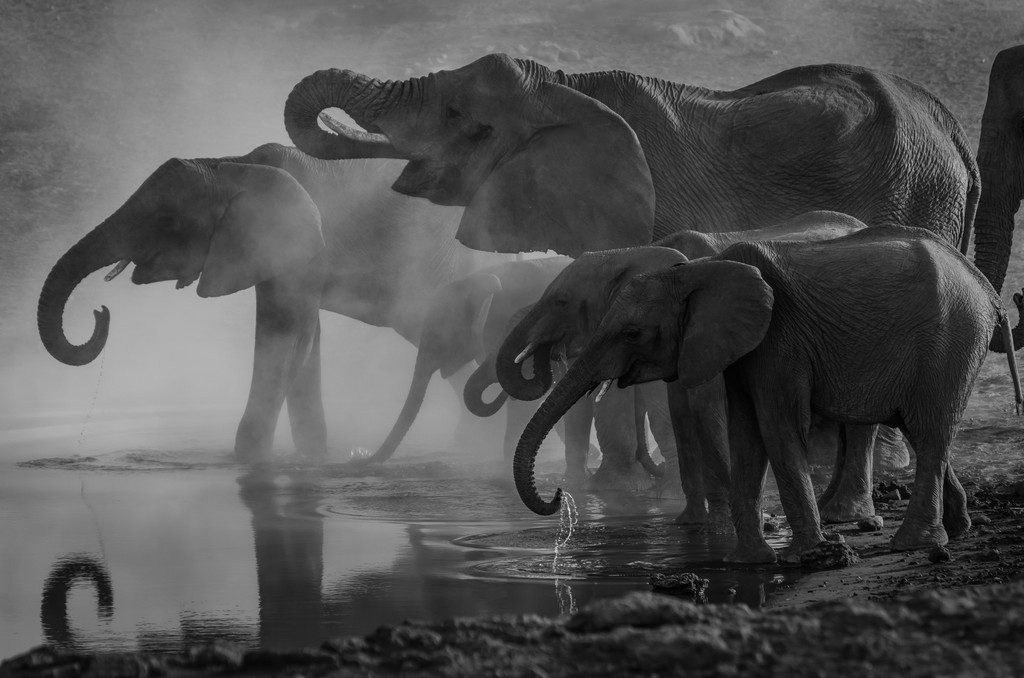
{"points": [[109, 545]]}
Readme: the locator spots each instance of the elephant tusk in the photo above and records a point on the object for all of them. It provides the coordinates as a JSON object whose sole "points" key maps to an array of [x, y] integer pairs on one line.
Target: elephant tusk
{"points": [[116, 271], [331, 123], [604, 388], [530, 348]]}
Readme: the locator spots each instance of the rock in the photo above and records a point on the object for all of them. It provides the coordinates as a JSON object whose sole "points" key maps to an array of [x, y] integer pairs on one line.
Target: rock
{"points": [[939, 554], [980, 519], [870, 524], [829, 555], [645, 610], [683, 583]]}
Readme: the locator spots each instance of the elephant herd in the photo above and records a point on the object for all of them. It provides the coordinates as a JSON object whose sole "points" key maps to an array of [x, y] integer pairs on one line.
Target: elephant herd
{"points": [[788, 256]]}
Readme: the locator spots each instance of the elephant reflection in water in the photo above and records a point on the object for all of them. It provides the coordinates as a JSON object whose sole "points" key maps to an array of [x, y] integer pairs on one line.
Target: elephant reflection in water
{"points": [[67, 572]]}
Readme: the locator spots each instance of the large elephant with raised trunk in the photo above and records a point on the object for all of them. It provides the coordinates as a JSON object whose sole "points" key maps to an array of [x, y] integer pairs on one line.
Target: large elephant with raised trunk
{"points": [[888, 325], [544, 159], [306, 233]]}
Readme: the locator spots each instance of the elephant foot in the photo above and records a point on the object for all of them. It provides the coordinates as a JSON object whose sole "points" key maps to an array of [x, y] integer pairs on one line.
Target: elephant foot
{"points": [[695, 513], [720, 521], [576, 479], [754, 553], [631, 478], [800, 545], [669, 485], [842, 509], [891, 452], [914, 535]]}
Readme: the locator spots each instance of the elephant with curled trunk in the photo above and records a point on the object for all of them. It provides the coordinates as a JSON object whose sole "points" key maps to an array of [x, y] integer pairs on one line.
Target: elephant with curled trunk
{"points": [[697, 451], [887, 325], [544, 159], [466, 320], [306, 233]]}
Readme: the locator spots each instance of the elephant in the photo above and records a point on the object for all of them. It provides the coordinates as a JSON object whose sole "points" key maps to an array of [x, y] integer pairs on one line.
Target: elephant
{"points": [[308, 234], [1001, 158], [467, 319], [543, 159], [887, 325], [697, 452]]}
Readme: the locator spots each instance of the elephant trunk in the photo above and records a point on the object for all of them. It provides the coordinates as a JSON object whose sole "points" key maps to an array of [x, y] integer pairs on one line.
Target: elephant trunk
{"points": [[423, 371], [360, 96], [573, 386], [54, 611], [99, 248], [1000, 160], [478, 382], [510, 372]]}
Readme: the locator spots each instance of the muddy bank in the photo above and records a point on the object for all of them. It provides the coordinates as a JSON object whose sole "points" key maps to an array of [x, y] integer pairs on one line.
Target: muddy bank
{"points": [[970, 631]]}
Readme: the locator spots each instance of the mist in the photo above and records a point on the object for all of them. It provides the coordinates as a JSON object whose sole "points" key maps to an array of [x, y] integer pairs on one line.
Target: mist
{"points": [[100, 93]]}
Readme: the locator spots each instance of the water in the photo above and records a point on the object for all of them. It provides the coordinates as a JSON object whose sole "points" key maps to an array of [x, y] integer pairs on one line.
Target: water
{"points": [[115, 545]]}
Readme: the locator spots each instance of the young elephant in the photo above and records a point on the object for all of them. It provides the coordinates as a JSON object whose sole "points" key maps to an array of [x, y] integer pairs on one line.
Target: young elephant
{"points": [[572, 307], [465, 320], [888, 325]]}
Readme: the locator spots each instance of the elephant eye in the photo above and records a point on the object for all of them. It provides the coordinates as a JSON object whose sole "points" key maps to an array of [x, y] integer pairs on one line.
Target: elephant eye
{"points": [[452, 114], [632, 333], [482, 132]]}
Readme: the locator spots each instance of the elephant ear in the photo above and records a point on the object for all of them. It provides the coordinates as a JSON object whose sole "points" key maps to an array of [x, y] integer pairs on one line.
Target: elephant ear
{"points": [[579, 183], [728, 310], [271, 226]]}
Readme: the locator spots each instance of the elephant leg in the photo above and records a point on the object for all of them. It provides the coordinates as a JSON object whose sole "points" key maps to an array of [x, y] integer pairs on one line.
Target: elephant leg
{"points": [[616, 435], [578, 421], [922, 525], [673, 485], [306, 406], [707, 403], [955, 518], [688, 451], [748, 466], [286, 323], [784, 429], [891, 452], [848, 497]]}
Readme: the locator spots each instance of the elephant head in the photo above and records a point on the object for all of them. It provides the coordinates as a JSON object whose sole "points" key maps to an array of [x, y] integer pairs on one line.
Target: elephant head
{"points": [[228, 224], [452, 335], [537, 164], [569, 311], [686, 323]]}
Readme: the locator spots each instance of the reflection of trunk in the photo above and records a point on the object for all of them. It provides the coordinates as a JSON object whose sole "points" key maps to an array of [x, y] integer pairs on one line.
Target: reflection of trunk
{"points": [[54, 611], [421, 375], [573, 386], [510, 374], [358, 95], [1001, 161], [473, 394], [97, 249]]}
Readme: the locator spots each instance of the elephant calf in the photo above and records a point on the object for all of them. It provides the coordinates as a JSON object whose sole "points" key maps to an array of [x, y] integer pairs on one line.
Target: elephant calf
{"points": [[889, 325]]}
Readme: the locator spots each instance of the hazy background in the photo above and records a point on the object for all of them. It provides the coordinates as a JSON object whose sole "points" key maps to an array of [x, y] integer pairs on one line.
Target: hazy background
{"points": [[95, 94]]}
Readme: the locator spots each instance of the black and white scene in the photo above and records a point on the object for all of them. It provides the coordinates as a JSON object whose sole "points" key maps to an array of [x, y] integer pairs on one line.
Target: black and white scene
{"points": [[511, 338]]}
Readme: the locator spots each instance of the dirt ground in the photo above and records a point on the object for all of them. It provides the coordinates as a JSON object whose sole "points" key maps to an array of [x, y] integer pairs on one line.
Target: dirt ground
{"points": [[68, 67]]}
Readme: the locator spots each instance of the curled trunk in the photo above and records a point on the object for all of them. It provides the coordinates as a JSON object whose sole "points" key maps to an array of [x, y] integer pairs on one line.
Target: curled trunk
{"points": [[358, 95], [473, 394], [96, 250], [510, 374], [54, 610], [573, 386], [421, 375]]}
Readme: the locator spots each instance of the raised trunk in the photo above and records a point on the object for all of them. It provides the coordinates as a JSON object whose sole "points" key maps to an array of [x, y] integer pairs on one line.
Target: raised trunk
{"points": [[510, 374], [573, 386], [358, 95], [99, 248], [473, 394], [421, 375]]}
